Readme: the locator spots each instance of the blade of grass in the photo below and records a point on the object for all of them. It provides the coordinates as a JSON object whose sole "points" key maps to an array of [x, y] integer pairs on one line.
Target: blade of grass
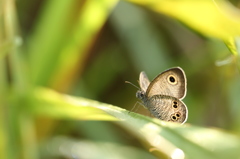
{"points": [[3, 89], [7, 46], [106, 150], [60, 40], [168, 138], [13, 145], [3, 94], [28, 137], [231, 44], [45, 99], [11, 30], [20, 86], [214, 18], [3, 130], [89, 22], [49, 34]]}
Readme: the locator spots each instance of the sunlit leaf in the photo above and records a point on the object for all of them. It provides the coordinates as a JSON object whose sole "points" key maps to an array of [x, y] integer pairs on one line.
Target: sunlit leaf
{"points": [[50, 103], [169, 138], [231, 44], [83, 149], [214, 18]]}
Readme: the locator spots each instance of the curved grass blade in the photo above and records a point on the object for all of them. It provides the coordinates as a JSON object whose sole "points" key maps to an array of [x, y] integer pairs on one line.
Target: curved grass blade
{"points": [[171, 139]]}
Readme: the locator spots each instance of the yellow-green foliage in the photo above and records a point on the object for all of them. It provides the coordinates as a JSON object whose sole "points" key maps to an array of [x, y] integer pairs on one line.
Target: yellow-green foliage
{"points": [[61, 61]]}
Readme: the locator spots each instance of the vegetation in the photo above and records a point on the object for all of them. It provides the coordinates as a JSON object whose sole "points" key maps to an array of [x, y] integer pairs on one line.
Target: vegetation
{"points": [[62, 61]]}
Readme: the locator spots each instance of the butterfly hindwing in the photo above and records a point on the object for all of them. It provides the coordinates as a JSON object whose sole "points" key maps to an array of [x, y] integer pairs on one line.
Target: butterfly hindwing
{"points": [[167, 108]]}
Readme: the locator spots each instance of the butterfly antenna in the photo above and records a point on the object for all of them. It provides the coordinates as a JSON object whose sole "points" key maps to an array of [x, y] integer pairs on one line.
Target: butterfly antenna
{"points": [[132, 84]]}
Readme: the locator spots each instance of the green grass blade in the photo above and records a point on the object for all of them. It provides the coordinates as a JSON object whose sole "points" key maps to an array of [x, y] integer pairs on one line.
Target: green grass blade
{"points": [[3, 133], [106, 150], [50, 103], [168, 138], [48, 35], [88, 24], [217, 18], [8, 46], [60, 40]]}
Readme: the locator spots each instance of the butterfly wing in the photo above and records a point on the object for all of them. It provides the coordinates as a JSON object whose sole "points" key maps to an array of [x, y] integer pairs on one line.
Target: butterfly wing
{"points": [[167, 108], [171, 82], [143, 81]]}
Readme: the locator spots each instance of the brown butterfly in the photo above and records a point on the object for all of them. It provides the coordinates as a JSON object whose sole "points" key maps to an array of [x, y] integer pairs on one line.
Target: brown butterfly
{"points": [[162, 97]]}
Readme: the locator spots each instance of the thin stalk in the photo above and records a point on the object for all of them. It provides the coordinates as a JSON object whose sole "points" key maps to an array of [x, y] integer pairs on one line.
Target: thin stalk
{"points": [[18, 146], [3, 91]]}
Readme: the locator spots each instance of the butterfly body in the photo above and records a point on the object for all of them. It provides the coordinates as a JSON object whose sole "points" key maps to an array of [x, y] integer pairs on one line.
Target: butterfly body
{"points": [[162, 97]]}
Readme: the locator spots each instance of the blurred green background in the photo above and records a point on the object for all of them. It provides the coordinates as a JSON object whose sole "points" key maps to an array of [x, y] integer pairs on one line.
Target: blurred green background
{"points": [[89, 48]]}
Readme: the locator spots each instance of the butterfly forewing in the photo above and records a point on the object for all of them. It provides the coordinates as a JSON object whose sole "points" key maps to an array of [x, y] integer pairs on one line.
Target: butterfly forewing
{"points": [[171, 82], [143, 81]]}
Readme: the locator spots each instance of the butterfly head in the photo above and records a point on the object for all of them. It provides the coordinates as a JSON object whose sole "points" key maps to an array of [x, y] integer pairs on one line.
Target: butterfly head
{"points": [[141, 95]]}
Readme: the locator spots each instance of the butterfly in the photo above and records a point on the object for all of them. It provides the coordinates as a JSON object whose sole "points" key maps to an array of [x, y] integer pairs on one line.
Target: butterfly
{"points": [[163, 96]]}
